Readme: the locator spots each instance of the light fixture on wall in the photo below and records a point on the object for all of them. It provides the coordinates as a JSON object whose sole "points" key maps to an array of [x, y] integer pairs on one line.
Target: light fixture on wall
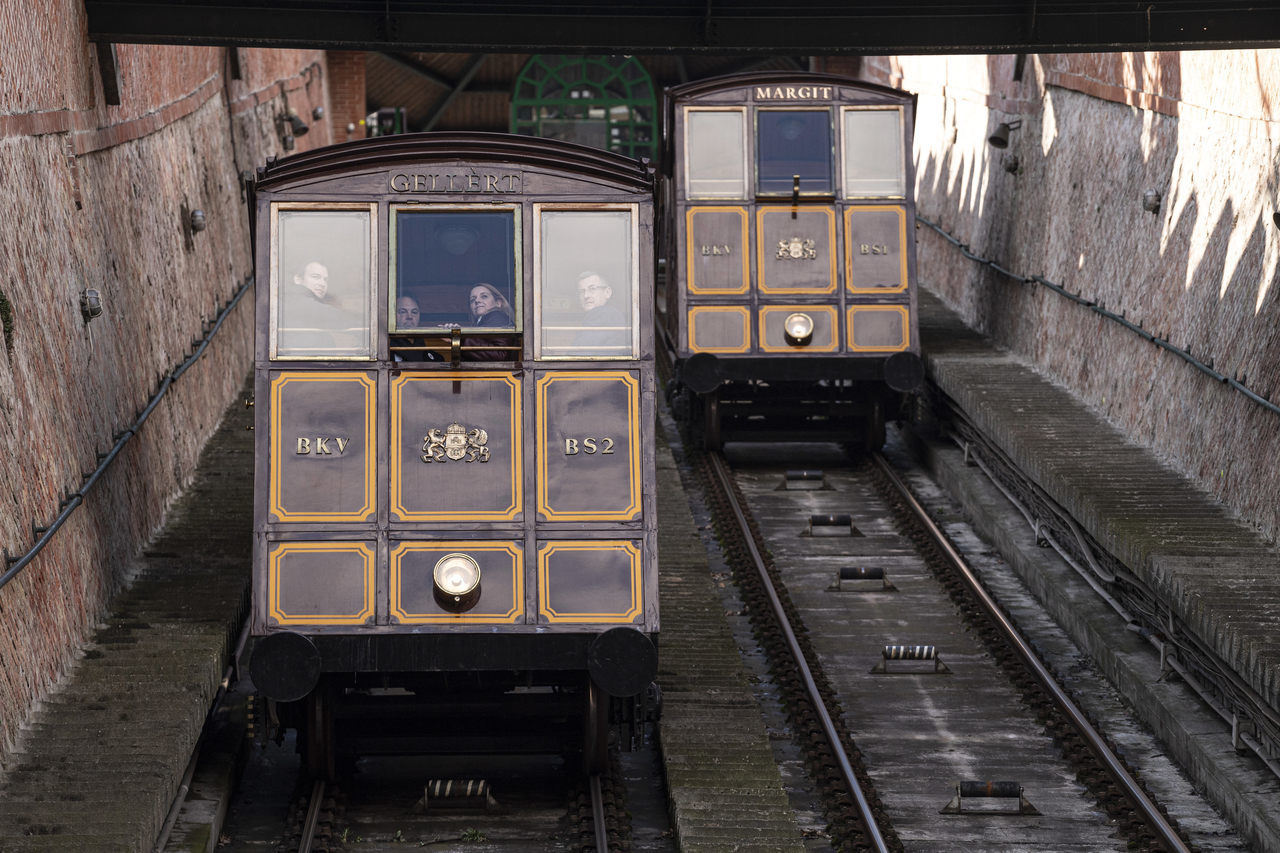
{"points": [[296, 125], [90, 304], [317, 113], [1151, 201], [999, 138], [197, 221]]}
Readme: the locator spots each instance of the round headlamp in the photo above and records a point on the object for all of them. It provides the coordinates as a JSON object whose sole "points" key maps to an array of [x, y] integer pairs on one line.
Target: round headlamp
{"points": [[798, 329], [457, 582]]}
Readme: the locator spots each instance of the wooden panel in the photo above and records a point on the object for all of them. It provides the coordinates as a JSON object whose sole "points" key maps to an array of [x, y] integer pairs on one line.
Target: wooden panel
{"points": [[501, 583], [456, 447], [320, 583], [588, 446], [719, 329], [322, 447], [596, 581], [796, 255]]}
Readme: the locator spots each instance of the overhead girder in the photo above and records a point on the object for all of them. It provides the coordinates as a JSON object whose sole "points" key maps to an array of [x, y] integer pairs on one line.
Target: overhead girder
{"points": [[691, 26]]}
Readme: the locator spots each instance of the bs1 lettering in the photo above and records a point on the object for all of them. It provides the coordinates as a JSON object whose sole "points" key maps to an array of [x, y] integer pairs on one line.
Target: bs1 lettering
{"points": [[873, 249], [588, 445], [321, 446]]}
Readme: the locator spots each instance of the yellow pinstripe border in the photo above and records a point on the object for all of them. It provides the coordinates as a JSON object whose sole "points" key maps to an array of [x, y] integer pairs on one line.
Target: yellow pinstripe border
{"points": [[762, 286], [283, 549], [510, 616], [508, 513], [690, 255], [906, 327], [277, 449], [902, 247], [721, 309], [829, 310], [633, 444], [544, 609]]}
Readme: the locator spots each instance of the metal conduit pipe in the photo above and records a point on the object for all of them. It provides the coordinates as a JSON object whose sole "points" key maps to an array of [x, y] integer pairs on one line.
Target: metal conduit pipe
{"points": [[14, 565]]}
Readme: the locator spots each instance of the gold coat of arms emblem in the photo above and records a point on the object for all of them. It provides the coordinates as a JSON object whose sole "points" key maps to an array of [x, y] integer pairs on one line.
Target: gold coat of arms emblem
{"points": [[455, 442], [796, 249]]}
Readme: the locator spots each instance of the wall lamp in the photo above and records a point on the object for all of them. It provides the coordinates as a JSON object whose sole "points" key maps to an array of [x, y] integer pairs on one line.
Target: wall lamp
{"points": [[90, 304], [197, 221], [999, 138], [1151, 201]]}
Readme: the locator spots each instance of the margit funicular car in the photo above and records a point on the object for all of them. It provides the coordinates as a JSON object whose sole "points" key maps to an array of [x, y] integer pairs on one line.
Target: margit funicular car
{"points": [[455, 408], [789, 236]]}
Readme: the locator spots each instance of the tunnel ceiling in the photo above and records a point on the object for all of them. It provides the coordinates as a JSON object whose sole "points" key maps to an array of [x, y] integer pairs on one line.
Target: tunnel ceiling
{"points": [[691, 26]]}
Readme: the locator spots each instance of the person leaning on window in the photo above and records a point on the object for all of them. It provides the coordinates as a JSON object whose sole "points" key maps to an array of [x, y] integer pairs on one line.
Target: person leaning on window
{"points": [[407, 316], [489, 309]]}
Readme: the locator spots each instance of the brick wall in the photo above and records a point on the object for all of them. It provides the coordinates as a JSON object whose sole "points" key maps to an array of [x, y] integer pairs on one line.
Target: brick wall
{"points": [[1201, 128], [95, 196], [347, 93]]}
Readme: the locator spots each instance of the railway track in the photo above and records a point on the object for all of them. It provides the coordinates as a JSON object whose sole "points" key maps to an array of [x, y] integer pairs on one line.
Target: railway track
{"points": [[956, 735]]}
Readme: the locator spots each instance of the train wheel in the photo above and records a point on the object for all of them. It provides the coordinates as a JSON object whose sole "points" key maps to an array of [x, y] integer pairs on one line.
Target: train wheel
{"points": [[711, 439], [319, 731], [595, 731]]}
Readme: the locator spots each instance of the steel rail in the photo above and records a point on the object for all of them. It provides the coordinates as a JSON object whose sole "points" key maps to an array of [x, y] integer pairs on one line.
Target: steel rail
{"points": [[597, 814], [1146, 809], [720, 468], [312, 823]]}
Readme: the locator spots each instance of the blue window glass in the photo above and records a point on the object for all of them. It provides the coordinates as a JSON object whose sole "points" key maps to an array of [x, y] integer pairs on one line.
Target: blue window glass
{"points": [[457, 268], [790, 143]]}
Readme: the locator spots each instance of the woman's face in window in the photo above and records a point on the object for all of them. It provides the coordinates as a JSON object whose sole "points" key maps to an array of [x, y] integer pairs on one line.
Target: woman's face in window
{"points": [[482, 301]]}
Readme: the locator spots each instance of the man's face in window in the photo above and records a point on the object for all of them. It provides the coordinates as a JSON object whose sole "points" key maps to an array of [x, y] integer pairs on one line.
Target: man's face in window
{"points": [[593, 292]]}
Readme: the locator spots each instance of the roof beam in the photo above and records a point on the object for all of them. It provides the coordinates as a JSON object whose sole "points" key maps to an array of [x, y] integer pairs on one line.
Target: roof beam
{"points": [[691, 26]]}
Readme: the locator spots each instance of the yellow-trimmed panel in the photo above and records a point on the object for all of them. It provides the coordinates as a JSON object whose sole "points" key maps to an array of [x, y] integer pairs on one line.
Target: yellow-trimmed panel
{"points": [[365, 568], [508, 513], [632, 510], [766, 311], [902, 246], [277, 449], [489, 610], [763, 285], [544, 581], [743, 314], [900, 310], [691, 255]]}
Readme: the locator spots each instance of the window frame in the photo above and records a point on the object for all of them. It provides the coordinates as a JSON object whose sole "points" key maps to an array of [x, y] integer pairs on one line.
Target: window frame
{"points": [[902, 144], [831, 144], [746, 153], [274, 259], [633, 211], [393, 281]]}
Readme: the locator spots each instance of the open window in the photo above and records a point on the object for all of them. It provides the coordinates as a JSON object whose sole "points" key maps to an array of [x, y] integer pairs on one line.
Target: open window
{"points": [[791, 144], [455, 268], [321, 281], [587, 281]]}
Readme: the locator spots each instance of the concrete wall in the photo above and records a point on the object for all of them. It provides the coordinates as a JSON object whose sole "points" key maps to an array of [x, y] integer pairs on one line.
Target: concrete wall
{"points": [[94, 198], [1097, 131]]}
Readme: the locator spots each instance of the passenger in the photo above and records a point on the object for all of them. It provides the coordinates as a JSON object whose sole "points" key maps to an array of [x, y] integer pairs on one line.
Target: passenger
{"points": [[489, 309], [407, 313], [609, 325], [407, 316], [307, 316]]}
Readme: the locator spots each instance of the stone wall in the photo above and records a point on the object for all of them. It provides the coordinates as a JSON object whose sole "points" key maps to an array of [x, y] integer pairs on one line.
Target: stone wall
{"points": [[96, 199], [1098, 130]]}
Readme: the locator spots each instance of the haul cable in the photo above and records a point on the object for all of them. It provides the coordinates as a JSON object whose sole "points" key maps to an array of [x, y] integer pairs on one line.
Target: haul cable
{"points": [[1146, 809], [721, 471]]}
